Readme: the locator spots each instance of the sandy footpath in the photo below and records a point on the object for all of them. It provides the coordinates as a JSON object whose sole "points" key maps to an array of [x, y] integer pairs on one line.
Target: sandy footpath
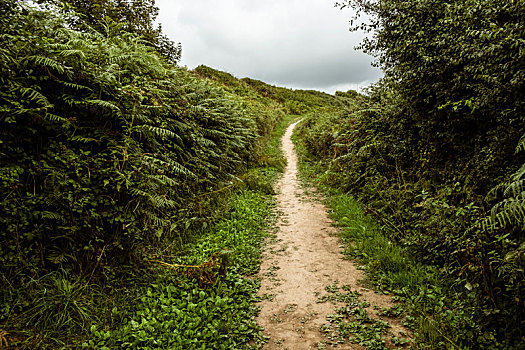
{"points": [[299, 263]]}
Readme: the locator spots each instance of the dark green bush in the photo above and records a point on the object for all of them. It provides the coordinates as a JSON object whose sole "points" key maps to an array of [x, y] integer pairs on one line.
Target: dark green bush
{"points": [[106, 150], [431, 150]]}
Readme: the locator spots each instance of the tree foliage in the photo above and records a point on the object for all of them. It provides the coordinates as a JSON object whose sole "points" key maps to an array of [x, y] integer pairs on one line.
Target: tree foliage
{"points": [[431, 149], [459, 69]]}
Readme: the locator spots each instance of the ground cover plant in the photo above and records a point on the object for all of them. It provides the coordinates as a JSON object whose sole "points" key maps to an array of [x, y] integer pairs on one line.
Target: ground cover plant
{"points": [[434, 152], [214, 309]]}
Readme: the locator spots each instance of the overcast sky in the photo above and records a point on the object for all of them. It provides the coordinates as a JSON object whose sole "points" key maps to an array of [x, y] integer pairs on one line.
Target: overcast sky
{"points": [[294, 43]]}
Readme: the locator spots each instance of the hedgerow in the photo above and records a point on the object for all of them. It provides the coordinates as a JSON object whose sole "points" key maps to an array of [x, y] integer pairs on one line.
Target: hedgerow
{"points": [[108, 153], [431, 150]]}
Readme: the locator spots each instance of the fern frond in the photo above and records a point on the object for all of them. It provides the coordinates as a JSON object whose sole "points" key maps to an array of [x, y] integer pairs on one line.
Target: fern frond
{"points": [[105, 105], [140, 118], [80, 42], [160, 201], [198, 109], [5, 56], [367, 110], [51, 215], [212, 153], [83, 139], [171, 165], [515, 188], [36, 97], [509, 211], [178, 125], [208, 143], [178, 168], [59, 46], [154, 130], [47, 62], [161, 180], [521, 144], [120, 58], [75, 86], [343, 158], [72, 52], [215, 134], [56, 118], [156, 220]]}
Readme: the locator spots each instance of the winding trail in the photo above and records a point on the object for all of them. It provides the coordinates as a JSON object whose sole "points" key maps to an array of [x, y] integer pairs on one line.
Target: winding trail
{"points": [[304, 258]]}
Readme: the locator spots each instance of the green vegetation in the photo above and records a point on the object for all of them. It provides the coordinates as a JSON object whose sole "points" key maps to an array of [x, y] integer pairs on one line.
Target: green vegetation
{"points": [[175, 312], [128, 185], [351, 321], [134, 193], [130, 16], [434, 153]]}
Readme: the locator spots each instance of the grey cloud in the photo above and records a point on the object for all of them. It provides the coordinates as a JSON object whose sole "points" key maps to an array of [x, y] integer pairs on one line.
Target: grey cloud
{"points": [[292, 43]]}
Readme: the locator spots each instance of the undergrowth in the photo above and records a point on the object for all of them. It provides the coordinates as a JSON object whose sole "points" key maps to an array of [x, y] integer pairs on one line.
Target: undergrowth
{"points": [[196, 295], [437, 310], [113, 163], [214, 308], [176, 312]]}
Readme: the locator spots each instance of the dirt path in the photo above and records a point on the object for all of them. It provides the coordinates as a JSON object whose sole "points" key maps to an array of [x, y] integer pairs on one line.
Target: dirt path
{"points": [[299, 264]]}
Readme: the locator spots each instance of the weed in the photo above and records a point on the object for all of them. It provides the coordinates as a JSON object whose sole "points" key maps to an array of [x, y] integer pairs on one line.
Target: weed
{"points": [[271, 270], [277, 318], [268, 296], [308, 317], [351, 322], [60, 303], [394, 311], [290, 308], [321, 345]]}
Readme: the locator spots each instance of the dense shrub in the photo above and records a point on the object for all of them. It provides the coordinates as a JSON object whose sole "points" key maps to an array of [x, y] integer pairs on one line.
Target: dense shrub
{"points": [[106, 150], [432, 149]]}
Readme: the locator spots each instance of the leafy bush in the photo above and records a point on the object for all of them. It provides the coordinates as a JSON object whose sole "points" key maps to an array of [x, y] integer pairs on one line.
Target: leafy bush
{"points": [[100, 142], [177, 313], [108, 155], [444, 224], [433, 139], [456, 68], [432, 144]]}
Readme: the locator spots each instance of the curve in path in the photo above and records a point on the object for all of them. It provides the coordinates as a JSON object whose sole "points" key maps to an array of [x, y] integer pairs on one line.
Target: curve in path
{"points": [[303, 259]]}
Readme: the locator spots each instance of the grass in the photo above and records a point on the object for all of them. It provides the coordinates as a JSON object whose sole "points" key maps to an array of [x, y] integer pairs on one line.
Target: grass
{"points": [[180, 310], [270, 160], [437, 315], [272, 152]]}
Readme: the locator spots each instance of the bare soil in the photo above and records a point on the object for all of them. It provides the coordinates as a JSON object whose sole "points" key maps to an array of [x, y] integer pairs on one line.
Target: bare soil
{"points": [[304, 258]]}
